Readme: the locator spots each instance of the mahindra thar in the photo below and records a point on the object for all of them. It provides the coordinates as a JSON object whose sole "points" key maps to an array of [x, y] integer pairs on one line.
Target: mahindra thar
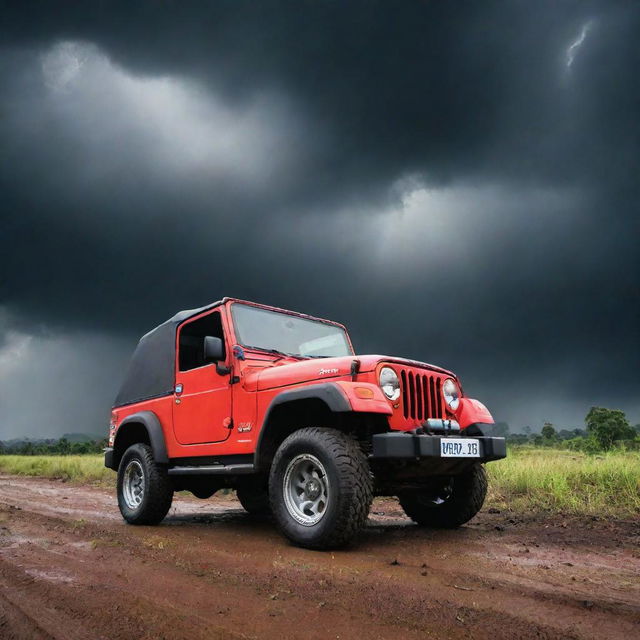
{"points": [[276, 405]]}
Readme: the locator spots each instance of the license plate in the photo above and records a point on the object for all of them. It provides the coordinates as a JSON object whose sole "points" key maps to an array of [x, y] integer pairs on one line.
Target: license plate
{"points": [[459, 448]]}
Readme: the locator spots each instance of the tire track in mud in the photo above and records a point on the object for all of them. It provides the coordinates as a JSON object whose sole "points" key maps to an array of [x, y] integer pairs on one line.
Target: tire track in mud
{"points": [[212, 571], [26, 614]]}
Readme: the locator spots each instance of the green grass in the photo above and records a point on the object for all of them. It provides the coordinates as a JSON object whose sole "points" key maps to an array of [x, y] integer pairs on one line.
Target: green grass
{"points": [[529, 480], [83, 468], [566, 482]]}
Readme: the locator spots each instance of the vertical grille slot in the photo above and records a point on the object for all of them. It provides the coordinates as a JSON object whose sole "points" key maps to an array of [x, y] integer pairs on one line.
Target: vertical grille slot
{"points": [[440, 413], [421, 396], [405, 402], [412, 396], [432, 397]]}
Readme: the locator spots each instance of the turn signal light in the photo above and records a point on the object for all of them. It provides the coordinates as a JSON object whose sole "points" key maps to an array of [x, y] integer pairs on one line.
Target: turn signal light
{"points": [[364, 392]]}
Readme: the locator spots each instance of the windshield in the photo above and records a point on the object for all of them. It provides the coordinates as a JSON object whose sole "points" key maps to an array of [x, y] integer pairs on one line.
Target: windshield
{"points": [[271, 330]]}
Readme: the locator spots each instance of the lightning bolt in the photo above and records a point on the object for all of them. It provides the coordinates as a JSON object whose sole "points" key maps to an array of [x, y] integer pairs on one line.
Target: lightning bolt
{"points": [[577, 43]]}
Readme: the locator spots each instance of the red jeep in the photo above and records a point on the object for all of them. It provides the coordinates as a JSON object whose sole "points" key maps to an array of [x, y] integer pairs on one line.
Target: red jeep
{"points": [[276, 405]]}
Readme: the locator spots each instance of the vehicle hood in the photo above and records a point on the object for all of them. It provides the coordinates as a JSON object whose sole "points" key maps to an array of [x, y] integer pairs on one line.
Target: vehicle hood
{"points": [[285, 373]]}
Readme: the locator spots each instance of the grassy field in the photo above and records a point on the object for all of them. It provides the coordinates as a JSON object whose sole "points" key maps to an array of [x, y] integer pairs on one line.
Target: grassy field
{"points": [[529, 480], [535, 480], [86, 468]]}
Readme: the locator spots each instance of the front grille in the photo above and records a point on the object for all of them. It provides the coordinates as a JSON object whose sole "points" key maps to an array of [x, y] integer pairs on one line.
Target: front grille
{"points": [[421, 395]]}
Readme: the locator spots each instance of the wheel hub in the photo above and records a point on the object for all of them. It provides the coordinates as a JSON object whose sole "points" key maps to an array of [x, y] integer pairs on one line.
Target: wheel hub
{"points": [[312, 489], [306, 489]]}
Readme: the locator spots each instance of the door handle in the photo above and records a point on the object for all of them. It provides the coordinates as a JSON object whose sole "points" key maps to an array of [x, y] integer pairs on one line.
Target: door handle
{"points": [[178, 389]]}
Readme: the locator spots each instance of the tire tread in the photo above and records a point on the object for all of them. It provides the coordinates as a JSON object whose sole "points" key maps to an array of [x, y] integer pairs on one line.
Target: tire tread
{"points": [[356, 485], [158, 488]]}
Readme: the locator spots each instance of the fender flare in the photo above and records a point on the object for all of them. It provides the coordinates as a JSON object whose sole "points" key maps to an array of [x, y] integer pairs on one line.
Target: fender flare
{"points": [[472, 412], [150, 422], [327, 392]]}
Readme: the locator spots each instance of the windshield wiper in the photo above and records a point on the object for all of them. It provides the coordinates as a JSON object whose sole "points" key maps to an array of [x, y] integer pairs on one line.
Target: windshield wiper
{"points": [[292, 355], [284, 354]]}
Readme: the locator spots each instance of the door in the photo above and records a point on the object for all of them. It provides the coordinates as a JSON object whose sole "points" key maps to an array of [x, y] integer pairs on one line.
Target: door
{"points": [[202, 405]]}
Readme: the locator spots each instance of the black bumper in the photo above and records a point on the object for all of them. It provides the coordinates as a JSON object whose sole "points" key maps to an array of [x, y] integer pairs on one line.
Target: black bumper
{"points": [[108, 458], [411, 446]]}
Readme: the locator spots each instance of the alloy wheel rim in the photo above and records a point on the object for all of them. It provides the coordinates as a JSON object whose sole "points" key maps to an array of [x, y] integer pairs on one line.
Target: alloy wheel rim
{"points": [[133, 484], [306, 489]]}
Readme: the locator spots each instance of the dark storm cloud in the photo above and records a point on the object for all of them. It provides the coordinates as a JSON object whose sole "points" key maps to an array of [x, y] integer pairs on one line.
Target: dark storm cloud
{"points": [[458, 182]]}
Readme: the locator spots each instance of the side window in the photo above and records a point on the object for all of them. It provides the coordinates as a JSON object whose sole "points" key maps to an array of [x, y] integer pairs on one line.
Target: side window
{"points": [[191, 344]]}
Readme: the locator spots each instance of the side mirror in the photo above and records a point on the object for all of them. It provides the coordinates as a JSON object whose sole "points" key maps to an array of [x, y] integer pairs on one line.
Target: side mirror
{"points": [[213, 349]]}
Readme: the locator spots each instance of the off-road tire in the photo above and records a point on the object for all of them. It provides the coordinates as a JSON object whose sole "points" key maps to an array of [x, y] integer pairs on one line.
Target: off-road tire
{"points": [[158, 490], [254, 499], [349, 482], [466, 499]]}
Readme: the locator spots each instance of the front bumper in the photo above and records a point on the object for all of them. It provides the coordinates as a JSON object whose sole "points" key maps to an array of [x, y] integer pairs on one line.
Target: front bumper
{"points": [[108, 459], [412, 446]]}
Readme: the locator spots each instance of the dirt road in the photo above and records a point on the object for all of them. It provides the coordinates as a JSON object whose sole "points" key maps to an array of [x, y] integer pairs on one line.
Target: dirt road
{"points": [[71, 569]]}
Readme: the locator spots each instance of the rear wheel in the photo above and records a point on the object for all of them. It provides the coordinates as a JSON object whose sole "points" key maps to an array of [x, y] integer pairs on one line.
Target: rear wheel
{"points": [[320, 488], [254, 499], [450, 503], [203, 493], [145, 491]]}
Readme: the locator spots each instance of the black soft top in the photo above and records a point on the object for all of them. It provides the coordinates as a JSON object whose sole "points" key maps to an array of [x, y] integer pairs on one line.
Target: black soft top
{"points": [[151, 372]]}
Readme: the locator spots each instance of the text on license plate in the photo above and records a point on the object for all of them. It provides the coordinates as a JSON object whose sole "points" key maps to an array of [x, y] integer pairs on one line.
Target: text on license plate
{"points": [[459, 448]]}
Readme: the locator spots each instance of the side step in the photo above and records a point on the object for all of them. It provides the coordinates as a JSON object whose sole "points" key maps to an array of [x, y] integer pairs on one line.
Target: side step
{"points": [[212, 470]]}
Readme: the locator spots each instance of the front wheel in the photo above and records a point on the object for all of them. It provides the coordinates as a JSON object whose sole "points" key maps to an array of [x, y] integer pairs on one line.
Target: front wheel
{"points": [[144, 488], [320, 488], [450, 503]]}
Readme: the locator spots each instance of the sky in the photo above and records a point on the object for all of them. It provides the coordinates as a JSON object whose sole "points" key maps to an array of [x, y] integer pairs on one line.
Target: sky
{"points": [[458, 183]]}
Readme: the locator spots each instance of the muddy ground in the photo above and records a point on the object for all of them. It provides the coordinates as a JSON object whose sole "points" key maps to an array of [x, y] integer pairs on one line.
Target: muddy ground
{"points": [[71, 569]]}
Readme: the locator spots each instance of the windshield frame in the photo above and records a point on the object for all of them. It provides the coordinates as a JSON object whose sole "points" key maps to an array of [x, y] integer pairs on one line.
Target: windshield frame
{"points": [[285, 312]]}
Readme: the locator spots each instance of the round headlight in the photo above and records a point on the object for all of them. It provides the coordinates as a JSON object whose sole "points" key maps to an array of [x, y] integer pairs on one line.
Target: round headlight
{"points": [[451, 393], [389, 383]]}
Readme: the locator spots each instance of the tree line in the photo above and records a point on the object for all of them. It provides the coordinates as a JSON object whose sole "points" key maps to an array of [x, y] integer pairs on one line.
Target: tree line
{"points": [[56, 447], [605, 429]]}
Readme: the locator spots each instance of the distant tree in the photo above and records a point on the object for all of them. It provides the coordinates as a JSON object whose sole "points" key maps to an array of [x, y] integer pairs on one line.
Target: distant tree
{"points": [[606, 426], [527, 431], [81, 447], [548, 433], [64, 446]]}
